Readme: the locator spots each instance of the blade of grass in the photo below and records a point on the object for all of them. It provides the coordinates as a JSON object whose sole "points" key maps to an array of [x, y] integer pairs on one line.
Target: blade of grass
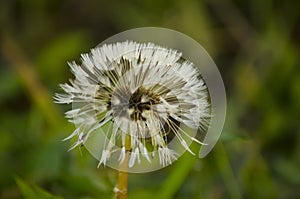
{"points": [[177, 176], [29, 78], [226, 171]]}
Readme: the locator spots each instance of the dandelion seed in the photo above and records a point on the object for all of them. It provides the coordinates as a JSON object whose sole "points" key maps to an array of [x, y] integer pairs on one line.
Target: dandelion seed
{"points": [[137, 91]]}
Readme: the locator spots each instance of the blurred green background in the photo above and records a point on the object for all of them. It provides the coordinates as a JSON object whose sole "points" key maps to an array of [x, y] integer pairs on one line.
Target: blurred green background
{"points": [[256, 46]]}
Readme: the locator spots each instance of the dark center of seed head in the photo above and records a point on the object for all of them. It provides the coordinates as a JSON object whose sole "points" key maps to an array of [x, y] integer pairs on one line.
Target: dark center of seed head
{"points": [[141, 100]]}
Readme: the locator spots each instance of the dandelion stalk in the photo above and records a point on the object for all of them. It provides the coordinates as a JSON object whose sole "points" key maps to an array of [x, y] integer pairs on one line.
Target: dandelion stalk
{"points": [[121, 189], [122, 185]]}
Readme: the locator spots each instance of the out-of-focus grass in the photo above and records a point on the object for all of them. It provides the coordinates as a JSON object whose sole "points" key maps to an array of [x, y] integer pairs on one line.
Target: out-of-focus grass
{"points": [[256, 47]]}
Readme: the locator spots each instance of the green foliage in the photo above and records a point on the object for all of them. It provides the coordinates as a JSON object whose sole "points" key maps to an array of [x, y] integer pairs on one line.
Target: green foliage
{"points": [[34, 192]]}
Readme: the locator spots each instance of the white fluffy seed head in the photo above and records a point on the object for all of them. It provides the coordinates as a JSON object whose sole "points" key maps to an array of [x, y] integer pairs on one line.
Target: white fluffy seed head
{"points": [[140, 92]]}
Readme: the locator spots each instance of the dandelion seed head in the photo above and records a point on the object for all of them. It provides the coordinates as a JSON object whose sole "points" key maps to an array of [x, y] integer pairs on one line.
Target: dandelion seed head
{"points": [[141, 91]]}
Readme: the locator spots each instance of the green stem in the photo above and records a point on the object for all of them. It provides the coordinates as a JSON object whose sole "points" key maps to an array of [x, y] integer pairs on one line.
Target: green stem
{"points": [[121, 190]]}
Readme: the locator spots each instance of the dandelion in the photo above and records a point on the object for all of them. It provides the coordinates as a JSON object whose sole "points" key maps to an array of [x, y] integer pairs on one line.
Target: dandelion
{"points": [[143, 95]]}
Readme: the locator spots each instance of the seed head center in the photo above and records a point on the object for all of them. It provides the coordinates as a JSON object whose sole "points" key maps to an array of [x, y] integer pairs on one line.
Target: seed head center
{"points": [[140, 102]]}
